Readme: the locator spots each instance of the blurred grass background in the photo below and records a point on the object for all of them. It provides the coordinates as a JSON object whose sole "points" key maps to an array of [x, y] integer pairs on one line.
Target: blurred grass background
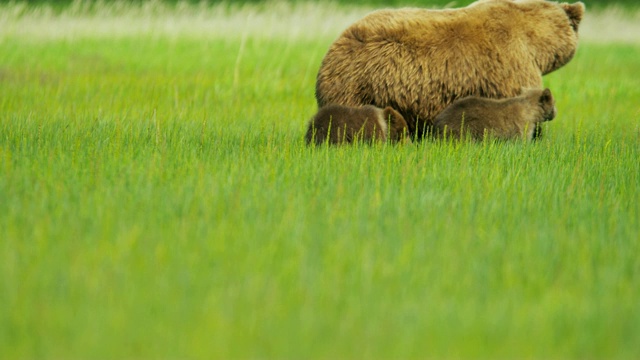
{"points": [[395, 3]]}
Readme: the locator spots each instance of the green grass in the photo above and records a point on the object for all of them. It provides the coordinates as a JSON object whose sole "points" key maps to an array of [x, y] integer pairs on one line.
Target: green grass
{"points": [[157, 200]]}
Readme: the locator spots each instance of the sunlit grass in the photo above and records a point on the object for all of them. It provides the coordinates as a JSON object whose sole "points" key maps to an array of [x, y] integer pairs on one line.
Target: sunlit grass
{"points": [[157, 200]]}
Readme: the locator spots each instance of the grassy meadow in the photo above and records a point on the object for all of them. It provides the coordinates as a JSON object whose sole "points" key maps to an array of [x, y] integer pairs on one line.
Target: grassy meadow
{"points": [[157, 201]]}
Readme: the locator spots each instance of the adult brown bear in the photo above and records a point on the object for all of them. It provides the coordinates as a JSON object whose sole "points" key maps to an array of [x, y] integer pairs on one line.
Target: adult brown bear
{"points": [[418, 61]]}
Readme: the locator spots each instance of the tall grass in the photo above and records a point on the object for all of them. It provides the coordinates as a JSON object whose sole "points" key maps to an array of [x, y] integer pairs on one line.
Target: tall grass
{"points": [[157, 200]]}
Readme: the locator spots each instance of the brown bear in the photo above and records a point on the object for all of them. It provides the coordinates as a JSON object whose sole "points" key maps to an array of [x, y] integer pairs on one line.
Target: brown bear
{"points": [[337, 124], [502, 119], [418, 61]]}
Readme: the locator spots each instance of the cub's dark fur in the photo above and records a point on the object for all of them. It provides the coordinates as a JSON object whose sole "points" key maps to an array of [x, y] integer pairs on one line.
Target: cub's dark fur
{"points": [[509, 118], [337, 124]]}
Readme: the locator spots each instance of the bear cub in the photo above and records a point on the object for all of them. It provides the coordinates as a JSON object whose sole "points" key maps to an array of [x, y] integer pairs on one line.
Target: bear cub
{"points": [[338, 124], [502, 119]]}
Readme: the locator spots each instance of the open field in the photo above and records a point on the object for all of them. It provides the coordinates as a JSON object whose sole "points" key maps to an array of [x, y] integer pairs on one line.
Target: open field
{"points": [[157, 200]]}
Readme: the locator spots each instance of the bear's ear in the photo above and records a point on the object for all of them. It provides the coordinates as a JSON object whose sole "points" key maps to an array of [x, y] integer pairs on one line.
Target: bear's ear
{"points": [[390, 114], [546, 97], [574, 12]]}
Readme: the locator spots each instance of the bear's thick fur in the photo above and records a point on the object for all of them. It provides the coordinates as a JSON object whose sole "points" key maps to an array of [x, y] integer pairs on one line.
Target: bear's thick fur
{"points": [[337, 124], [418, 61], [503, 119]]}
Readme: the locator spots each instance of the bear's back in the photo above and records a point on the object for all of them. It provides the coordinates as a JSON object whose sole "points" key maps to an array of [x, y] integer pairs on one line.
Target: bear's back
{"points": [[492, 21]]}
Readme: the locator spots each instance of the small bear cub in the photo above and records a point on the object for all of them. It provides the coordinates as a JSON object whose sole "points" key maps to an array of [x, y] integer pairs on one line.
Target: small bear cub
{"points": [[338, 124], [503, 119]]}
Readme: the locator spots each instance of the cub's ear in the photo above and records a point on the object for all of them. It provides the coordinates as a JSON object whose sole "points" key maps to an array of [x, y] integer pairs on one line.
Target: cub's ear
{"points": [[391, 115], [546, 97], [574, 12]]}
